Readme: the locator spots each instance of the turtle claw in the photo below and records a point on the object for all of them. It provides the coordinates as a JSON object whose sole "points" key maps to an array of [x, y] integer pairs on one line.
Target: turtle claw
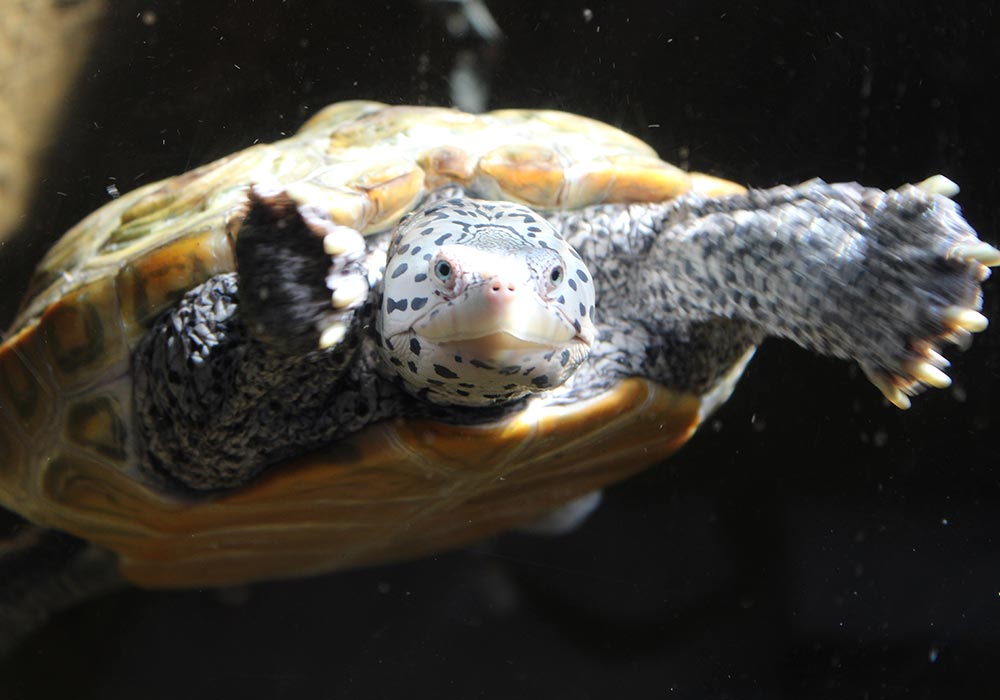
{"points": [[926, 366], [893, 393], [979, 251], [341, 240], [964, 319], [348, 280], [348, 291], [939, 184], [332, 335], [927, 373], [937, 359]]}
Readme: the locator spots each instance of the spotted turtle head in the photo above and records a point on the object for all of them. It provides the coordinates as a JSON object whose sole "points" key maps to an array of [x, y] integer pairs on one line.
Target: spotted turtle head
{"points": [[483, 302]]}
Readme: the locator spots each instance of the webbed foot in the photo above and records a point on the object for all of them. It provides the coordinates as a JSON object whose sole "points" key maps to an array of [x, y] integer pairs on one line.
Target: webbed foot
{"points": [[953, 263], [303, 278]]}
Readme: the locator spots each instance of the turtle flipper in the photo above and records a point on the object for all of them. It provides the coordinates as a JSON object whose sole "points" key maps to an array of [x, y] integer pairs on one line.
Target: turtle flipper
{"points": [[881, 277], [940, 264], [884, 278], [43, 572], [967, 257]]}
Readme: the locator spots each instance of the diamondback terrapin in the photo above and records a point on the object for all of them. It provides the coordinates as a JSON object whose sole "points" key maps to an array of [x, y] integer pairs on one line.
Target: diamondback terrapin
{"points": [[406, 328]]}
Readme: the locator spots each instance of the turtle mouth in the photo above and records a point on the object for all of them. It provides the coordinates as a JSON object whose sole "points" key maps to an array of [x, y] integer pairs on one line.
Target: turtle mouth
{"points": [[493, 343], [527, 323], [506, 348]]}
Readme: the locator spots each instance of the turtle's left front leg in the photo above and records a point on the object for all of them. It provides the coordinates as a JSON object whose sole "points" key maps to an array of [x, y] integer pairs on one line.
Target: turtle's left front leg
{"points": [[883, 278]]}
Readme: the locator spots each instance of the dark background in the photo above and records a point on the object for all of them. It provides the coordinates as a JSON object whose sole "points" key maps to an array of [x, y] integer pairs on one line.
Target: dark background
{"points": [[811, 541]]}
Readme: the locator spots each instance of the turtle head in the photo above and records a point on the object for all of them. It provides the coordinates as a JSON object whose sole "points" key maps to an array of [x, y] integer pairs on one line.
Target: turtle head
{"points": [[483, 302]]}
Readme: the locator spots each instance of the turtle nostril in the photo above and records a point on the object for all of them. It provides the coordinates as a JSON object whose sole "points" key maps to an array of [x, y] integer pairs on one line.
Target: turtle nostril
{"points": [[502, 292]]}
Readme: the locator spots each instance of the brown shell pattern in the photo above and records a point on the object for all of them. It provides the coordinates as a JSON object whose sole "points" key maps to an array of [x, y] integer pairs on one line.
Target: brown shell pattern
{"points": [[397, 490]]}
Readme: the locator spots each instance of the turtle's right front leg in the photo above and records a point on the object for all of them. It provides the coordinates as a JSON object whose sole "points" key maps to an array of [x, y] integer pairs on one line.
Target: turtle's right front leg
{"points": [[302, 277], [244, 370]]}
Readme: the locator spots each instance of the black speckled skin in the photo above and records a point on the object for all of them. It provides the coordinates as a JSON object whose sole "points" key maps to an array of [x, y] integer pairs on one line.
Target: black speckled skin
{"points": [[683, 290]]}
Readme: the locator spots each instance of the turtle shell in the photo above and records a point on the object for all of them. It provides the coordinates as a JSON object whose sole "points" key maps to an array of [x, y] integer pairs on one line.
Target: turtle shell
{"points": [[397, 489]]}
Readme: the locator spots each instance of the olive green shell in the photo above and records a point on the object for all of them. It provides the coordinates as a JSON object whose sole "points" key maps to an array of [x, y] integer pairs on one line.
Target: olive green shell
{"points": [[396, 490]]}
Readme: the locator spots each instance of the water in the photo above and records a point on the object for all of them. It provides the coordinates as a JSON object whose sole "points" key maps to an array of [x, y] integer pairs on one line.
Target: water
{"points": [[811, 541]]}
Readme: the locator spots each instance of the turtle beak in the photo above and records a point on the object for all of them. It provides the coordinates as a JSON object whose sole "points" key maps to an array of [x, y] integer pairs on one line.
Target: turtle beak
{"points": [[501, 313]]}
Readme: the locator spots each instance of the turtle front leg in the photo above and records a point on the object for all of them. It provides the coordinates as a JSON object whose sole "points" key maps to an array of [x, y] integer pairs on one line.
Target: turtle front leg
{"points": [[883, 278], [302, 277], [254, 366]]}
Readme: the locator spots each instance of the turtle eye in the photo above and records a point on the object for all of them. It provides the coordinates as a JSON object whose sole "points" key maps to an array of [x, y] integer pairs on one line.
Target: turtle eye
{"points": [[446, 273], [554, 277], [443, 271]]}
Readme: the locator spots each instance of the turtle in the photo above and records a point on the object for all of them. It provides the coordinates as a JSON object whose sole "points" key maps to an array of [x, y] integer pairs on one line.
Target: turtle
{"points": [[406, 328]]}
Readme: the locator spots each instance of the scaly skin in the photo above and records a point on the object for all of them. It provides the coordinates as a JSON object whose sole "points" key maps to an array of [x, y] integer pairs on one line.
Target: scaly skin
{"points": [[882, 278], [684, 289]]}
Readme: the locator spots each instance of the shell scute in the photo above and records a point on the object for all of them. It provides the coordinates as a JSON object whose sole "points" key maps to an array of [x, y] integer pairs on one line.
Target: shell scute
{"points": [[203, 197], [148, 285], [397, 125], [566, 128], [392, 189], [83, 337], [443, 165], [71, 254], [25, 393], [339, 112], [344, 206], [102, 502], [632, 178], [150, 205], [529, 173], [97, 424]]}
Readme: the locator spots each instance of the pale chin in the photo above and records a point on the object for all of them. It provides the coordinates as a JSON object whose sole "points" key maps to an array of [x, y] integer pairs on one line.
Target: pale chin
{"points": [[496, 348], [506, 368]]}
